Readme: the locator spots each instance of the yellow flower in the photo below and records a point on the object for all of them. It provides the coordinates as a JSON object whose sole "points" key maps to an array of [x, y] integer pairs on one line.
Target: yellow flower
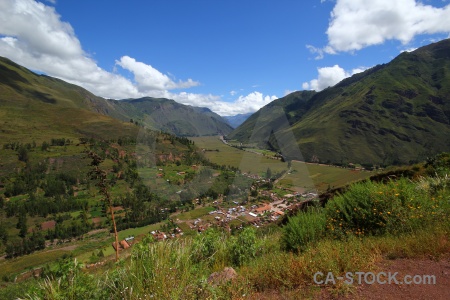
{"points": [[397, 195]]}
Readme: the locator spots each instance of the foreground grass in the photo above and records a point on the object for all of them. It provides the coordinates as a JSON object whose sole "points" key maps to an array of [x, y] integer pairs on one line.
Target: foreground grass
{"points": [[170, 270], [355, 231]]}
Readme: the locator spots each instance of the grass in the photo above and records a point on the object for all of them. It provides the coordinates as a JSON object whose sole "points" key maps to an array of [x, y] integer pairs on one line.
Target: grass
{"points": [[194, 214], [230, 156], [138, 231], [313, 176], [303, 176], [171, 268], [17, 265]]}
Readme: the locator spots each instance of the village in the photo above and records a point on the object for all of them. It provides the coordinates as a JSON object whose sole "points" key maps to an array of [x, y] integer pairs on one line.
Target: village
{"points": [[235, 216]]}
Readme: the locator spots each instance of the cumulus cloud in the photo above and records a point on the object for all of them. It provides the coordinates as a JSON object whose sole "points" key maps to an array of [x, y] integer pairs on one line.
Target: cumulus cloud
{"points": [[148, 78], [243, 104], [329, 76], [33, 35], [408, 50], [356, 24], [320, 52], [287, 92]]}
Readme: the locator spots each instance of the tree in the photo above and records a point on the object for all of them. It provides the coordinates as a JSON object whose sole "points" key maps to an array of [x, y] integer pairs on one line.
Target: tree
{"points": [[268, 173], [100, 175], [3, 233], [22, 224], [22, 154], [45, 146]]}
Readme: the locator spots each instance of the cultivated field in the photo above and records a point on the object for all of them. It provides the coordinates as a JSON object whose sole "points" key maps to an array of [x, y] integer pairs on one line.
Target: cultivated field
{"points": [[303, 176]]}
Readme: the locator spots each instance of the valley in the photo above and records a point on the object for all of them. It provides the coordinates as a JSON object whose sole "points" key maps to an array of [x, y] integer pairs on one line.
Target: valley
{"points": [[334, 180]]}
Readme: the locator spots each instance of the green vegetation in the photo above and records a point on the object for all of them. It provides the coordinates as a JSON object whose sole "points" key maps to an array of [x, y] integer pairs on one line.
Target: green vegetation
{"points": [[222, 154], [303, 229], [169, 116], [397, 113], [414, 223], [53, 218]]}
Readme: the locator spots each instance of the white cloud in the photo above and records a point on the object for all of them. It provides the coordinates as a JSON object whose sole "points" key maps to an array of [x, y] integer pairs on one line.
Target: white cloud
{"points": [[287, 92], [329, 76], [315, 50], [33, 35], [243, 104], [356, 24], [232, 93], [148, 78], [408, 50]]}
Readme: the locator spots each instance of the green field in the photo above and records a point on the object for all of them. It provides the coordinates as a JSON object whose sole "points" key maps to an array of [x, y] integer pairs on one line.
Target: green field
{"points": [[194, 214], [303, 176], [244, 160], [20, 264]]}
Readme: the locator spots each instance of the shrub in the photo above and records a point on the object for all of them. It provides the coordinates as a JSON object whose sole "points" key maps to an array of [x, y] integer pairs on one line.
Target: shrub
{"points": [[376, 208], [205, 245], [303, 229], [243, 247]]}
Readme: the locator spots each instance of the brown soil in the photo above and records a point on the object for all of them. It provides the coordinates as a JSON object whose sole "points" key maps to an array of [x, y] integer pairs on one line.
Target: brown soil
{"points": [[412, 267], [48, 225], [97, 221], [438, 291]]}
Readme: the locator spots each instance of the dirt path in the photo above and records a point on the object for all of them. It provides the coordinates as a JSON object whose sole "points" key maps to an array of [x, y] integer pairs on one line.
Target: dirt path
{"points": [[416, 268], [438, 291]]}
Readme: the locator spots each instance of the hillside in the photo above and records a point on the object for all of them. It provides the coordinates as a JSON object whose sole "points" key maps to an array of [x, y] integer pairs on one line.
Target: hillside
{"points": [[38, 107], [42, 100], [393, 113], [169, 116]]}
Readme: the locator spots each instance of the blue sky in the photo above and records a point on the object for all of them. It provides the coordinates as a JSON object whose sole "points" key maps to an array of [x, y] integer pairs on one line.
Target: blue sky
{"points": [[231, 56]]}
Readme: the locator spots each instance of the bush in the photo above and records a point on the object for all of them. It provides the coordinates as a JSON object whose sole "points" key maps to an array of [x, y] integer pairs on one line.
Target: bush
{"points": [[243, 247], [303, 229], [375, 208], [205, 246]]}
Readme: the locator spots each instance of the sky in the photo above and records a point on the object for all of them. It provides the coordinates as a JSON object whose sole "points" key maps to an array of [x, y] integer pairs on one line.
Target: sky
{"points": [[231, 56]]}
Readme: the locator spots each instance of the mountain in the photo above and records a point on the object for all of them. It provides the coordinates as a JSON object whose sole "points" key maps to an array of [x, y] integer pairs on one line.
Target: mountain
{"points": [[32, 104], [390, 114], [39, 107], [237, 120], [169, 116]]}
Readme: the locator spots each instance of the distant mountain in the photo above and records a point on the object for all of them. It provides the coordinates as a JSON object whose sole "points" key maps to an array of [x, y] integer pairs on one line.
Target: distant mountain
{"points": [[169, 116], [390, 114], [38, 105], [237, 120]]}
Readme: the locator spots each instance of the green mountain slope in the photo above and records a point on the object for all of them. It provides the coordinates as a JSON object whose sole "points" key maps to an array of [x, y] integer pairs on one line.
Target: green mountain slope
{"points": [[393, 113], [52, 106], [38, 107], [169, 116]]}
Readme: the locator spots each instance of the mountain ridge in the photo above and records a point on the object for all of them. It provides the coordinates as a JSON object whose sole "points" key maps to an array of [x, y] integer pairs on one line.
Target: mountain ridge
{"points": [[21, 88], [393, 113]]}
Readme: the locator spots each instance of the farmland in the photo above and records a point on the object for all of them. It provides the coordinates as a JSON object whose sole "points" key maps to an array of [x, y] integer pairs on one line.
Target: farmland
{"points": [[302, 176]]}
